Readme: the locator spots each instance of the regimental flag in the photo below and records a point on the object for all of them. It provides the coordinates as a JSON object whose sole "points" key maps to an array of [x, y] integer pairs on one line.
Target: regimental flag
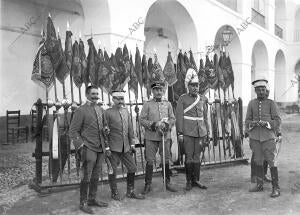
{"points": [[219, 72], [222, 65], [93, 63], [179, 86], [211, 74], [116, 79], [52, 45], [62, 70], [186, 61], [101, 75], [169, 71], [68, 49], [230, 71], [126, 59], [157, 74], [146, 76], [192, 61], [76, 66], [83, 63], [42, 73], [150, 68], [133, 83], [203, 82], [124, 74], [108, 74], [138, 66]]}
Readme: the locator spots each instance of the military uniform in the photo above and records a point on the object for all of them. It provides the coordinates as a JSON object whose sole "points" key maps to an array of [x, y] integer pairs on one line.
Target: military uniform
{"points": [[120, 143], [87, 135], [191, 122], [154, 111], [262, 124]]}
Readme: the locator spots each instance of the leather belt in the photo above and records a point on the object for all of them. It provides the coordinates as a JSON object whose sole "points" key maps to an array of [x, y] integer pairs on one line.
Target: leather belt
{"points": [[192, 118]]}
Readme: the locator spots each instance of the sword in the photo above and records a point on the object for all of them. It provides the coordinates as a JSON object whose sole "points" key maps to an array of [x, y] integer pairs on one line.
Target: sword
{"points": [[164, 162]]}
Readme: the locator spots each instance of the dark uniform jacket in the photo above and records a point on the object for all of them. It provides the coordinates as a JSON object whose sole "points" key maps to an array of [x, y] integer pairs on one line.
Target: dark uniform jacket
{"points": [[86, 129], [264, 110], [153, 111], [194, 122], [121, 135]]}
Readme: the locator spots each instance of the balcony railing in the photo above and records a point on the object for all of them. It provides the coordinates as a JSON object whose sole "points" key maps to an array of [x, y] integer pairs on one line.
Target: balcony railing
{"points": [[278, 31], [258, 18], [297, 36], [229, 3]]}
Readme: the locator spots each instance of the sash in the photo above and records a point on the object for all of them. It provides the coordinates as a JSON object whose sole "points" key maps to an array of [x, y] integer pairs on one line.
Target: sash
{"points": [[192, 105]]}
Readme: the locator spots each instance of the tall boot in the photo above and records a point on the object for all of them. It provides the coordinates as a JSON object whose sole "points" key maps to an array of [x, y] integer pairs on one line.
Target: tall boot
{"points": [[169, 186], [275, 187], [83, 198], [148, 178], [188, 172], [92, 195], [253, 170], [259, 179], [196, 176], [113, 187], [266, 178], [130, 187]]}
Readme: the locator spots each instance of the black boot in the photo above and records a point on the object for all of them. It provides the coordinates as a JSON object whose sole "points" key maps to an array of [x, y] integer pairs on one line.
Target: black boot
{"points": [[259, 179], [148, 178], [266, 178], [168, 185], [253, 169], [188, 172], [196, 176], [83, 198], [113, 187], [130, 187], [275, 187], [92, 195]]}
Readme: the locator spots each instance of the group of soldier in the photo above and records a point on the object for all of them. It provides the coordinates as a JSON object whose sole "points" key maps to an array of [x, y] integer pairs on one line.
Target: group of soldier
{"points": [[98, 134]]}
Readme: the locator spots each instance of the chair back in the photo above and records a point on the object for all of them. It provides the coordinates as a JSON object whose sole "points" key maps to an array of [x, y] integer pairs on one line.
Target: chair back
{"points": [[12, 119]]}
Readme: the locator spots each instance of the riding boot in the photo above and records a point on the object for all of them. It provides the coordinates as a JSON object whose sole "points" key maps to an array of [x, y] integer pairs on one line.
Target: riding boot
{"points": [[196, 176], [148, 178], [130, 187], [188, 172], [113, 187], [168, 185], [259, 179], [275, 187], [253, 170], [83, 198], [266, 178]]}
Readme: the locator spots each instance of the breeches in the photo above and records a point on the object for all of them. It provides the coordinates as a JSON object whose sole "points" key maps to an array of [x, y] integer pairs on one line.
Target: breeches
{"points": [[153, 146], [125, 158], [192, 148], [266, 150], [91, 164]]}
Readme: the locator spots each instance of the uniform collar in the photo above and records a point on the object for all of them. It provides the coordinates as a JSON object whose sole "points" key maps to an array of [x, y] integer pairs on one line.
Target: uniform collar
{"points": [[158, 99], [90, 103]]}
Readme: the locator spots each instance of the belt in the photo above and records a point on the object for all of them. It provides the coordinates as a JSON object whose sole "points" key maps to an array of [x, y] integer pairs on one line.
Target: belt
{"points": [[192, 118]]}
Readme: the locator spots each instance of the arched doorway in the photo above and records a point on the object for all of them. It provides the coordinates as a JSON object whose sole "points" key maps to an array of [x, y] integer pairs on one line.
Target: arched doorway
{"points": [[168, 23], [260, 63], [280, 76]]}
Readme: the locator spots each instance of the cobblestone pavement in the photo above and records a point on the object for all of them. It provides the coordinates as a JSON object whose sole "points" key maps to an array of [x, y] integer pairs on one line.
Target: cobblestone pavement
{"points": [[227, 192]]}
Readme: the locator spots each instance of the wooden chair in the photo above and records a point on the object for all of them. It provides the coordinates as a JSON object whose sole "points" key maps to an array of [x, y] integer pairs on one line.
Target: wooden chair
{"points": [[14, 131]]}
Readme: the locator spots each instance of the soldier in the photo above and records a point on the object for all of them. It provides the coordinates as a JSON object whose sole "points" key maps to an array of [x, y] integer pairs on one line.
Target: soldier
{"points": [[262, 125], [86, 133], [157, 117], [192, 127], [120, 144]]}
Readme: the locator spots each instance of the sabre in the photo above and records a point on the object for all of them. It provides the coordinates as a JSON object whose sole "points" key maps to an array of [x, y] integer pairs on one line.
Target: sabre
{"points": [[164, 162]]}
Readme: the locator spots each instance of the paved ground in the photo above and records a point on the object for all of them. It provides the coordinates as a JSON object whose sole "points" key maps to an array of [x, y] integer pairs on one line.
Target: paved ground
{"points": [[227, 193]]}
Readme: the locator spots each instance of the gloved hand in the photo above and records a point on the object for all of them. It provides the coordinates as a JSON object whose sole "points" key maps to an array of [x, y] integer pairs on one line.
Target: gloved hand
{"points": [[263, 123], [180, 137], [108, 152], [106, 130], [253, 124], [246, 135], [132, 149]]}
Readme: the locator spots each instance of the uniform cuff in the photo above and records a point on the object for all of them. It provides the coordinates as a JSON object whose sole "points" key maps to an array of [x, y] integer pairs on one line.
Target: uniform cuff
{"points": [[107, 148], [268, 125]]}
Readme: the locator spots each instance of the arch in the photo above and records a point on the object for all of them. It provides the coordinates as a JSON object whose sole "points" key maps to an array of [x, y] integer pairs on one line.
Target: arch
{"points": [[167, 23], [280, 76], [260, 62]]}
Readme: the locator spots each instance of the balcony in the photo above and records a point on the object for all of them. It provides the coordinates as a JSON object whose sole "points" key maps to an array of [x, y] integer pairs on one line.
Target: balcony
{"points": [[258, 18], [232, 4], [278, 31]]}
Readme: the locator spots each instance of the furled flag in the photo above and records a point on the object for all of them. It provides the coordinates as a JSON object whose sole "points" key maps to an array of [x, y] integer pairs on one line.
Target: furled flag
{"points": [[68, 49], [230, 71], [62, 70], [218, 71], [222, 65], [211, 74], [108, 73], [124, 74], [179, 87], [42, 73], [157, 74], [52, 45], [76, 66], [203, 82], [186, 61], [146, 76], [126, 59], [150, 68], [169, 71], [133, 83], [138, 66], [93, 63], [117, 74], [83, 63], [192, 61]]}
